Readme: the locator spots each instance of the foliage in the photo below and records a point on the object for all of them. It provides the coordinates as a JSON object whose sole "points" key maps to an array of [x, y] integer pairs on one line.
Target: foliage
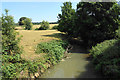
{"points": [[106, 57], [10, 49], [9, 70], [32, 67], [97, 22], [55, 27], [9, 40], [44, 25], [118, 32], [94, 22], [36, 28], [65, 19], [54, 49], [28, 24], [21, 20]]}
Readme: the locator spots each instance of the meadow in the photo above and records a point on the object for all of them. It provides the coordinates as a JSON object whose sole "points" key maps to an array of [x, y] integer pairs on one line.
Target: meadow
{"points": [[34, 27]]}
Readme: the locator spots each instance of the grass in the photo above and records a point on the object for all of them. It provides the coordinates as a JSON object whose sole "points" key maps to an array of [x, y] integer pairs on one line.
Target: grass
{"points": [[30, 40], [34, 27]]}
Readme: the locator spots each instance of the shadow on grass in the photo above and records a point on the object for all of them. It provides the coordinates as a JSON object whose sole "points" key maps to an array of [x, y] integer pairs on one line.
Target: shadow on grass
{"points": [[57, 35]]}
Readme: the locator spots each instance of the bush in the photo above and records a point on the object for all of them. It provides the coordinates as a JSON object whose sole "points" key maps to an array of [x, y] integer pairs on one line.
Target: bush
{"points": [[10, 48], [36, 28], [55, 27], [54, 49], [118, 33], [28, 24], [44, 25], [21, 21], [106, 57]]}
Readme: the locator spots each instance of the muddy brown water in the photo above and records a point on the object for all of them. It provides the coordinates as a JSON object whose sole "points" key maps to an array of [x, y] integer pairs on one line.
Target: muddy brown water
{"points": [[78, 66]]}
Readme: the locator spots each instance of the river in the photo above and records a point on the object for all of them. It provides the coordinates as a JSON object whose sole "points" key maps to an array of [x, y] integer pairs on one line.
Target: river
{"points": [[77, 65]]}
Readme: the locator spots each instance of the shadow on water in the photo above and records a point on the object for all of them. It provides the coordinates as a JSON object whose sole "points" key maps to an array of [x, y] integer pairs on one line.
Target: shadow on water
{"points": [[90, 71], [89, 67]]}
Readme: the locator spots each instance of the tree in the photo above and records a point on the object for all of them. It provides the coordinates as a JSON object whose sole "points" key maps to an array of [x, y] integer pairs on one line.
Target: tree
{"points": [[10, 47], [65, 19], [21, 20], [28, 24], [9, 40], [97, 21], [44, 25]]}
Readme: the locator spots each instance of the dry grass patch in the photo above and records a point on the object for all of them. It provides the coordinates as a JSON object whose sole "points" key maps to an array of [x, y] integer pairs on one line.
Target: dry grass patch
{"points": [[35, 26], [30, 40]]}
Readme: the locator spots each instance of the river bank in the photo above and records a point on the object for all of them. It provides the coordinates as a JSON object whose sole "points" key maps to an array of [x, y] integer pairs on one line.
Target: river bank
{"points": [[78, 65]]}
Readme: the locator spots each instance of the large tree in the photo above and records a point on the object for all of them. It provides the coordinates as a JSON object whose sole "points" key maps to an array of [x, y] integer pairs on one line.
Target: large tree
{"points": [[96, 21], [65, 19]]}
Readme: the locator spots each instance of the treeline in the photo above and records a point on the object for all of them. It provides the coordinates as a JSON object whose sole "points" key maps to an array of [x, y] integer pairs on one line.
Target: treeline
{"points": [[98, 25], [93, 22], [38, 23], [21, 22], [28, 24]]}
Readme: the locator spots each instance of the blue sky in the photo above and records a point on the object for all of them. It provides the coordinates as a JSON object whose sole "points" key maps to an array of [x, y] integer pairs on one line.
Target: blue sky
{"points": [[37, 11]]}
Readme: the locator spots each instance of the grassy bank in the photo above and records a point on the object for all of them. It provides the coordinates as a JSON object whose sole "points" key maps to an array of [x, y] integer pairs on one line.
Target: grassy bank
{"points": [[53, 52], [106, 58]]}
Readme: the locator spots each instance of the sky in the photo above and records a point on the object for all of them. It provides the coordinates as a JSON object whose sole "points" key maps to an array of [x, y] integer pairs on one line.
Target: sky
{"points": [[37, 11]]}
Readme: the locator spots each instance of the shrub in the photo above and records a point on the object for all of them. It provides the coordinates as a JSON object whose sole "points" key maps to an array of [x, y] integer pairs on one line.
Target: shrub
{"points": [[92, 22], [44, 25], [106, 57], [10, 48], [32, 67], [28, 24], [9, 40], [55, 27], [54, 49], [36, 28], [118, 32]]}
